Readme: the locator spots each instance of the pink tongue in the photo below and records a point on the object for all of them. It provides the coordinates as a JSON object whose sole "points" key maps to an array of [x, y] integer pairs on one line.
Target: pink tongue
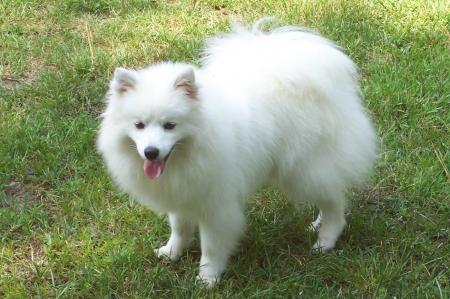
{"points": [[153, 169]]}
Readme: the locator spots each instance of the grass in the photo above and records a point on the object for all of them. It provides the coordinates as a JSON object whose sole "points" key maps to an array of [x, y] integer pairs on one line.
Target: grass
{"points": [[66, 232]]}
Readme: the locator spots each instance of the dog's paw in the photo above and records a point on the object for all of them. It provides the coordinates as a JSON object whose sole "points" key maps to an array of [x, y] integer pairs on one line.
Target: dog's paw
{"points": [[323, 245], [208, 281], [168, 252]]}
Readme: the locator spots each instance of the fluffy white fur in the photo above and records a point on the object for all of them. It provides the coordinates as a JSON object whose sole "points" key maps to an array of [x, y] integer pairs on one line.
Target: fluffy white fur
{"points": [[280, 107]]}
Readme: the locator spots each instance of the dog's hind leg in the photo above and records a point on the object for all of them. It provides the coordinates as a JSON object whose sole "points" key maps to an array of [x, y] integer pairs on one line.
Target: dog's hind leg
{"points": [[316, 223], [331, 221], [182, 232], [331, 201]]}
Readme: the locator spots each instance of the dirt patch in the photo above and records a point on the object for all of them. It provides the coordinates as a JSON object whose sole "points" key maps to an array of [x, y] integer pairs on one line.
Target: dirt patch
{"points": [[28, 261], [36, 252], [9, 80], [18, 196]]}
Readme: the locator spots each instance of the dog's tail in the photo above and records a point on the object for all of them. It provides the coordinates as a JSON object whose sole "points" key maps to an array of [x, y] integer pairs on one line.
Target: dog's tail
{"points": [[267, 56]]}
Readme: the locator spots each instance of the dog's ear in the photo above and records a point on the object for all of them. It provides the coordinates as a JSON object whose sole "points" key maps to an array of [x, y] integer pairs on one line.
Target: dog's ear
{"points": [[186, 82], [123, 81]]}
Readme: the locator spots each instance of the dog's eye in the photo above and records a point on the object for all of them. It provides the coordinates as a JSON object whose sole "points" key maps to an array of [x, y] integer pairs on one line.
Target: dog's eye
{"points": [[169, 125], [139, 125]]}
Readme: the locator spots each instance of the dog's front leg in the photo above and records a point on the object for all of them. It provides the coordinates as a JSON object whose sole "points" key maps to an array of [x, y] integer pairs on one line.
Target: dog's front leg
{"points": [[219, 234], [182, 232]]}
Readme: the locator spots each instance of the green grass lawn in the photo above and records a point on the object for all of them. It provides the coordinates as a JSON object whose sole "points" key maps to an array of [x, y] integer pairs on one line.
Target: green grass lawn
{"points": [[66, 231]]}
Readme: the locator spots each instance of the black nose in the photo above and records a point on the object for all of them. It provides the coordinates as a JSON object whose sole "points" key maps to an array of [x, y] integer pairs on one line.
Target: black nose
{"points": [[151, 152]]}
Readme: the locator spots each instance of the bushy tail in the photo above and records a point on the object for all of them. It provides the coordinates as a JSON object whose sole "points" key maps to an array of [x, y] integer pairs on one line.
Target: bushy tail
{"points": [[287, 54]]}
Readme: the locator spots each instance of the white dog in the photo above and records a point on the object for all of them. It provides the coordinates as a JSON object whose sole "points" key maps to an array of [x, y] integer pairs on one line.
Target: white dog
{"points": [[280, 107]]}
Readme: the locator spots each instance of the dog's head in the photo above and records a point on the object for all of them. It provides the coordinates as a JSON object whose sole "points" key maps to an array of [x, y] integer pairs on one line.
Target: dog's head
{"points": [[157, 108]]}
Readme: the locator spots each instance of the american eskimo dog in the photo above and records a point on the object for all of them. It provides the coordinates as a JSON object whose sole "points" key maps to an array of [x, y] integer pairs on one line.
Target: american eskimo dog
{"points": [[280, 107]]}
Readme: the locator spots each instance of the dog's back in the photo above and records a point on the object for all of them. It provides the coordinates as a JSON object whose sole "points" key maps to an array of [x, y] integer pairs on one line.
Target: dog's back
{"points": [[309, 92]]}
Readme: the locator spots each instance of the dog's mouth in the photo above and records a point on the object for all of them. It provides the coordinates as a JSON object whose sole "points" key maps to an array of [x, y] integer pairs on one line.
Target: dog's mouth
{"points": [[154, 168]]}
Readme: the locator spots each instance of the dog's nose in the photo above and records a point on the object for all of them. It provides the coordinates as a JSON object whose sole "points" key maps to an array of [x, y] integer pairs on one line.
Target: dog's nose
{"points": [[151, 152]]}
